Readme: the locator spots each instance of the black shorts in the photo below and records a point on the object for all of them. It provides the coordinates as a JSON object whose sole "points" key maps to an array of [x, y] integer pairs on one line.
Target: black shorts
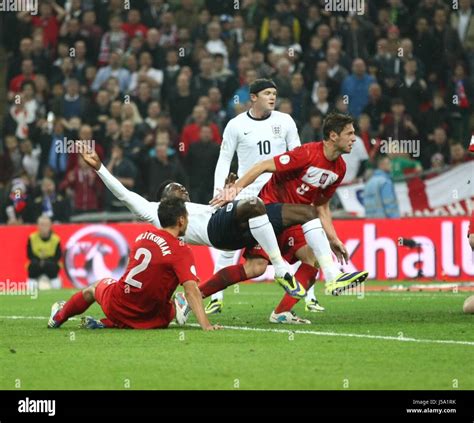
{"points": [[225, 234]]}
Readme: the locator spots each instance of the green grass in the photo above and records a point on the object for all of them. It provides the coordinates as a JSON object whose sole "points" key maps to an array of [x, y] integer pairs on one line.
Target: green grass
{"points": [[177, 358]]}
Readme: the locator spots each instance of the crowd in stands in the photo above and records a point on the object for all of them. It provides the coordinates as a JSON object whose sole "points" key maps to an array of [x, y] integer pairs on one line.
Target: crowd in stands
{"points": [[154, 85]]}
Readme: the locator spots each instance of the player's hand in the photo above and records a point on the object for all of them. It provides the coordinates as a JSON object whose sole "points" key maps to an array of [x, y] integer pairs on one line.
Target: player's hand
{"points": [[340, 251], [212, 327], [230, 180], [225, 196], [90, 156]]}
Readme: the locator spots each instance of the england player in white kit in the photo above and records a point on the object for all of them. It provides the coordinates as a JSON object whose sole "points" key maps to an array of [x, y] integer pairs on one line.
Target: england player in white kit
{"points": [[259, 134]]}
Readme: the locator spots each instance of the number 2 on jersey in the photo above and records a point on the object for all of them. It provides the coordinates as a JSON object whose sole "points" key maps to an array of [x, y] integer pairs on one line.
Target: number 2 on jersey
{"points": [[264, 147], [139, 267]]}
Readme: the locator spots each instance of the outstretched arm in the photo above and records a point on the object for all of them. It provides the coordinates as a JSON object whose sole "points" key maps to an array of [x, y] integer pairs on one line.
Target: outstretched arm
{"points": [[229, 193], [194, 298], [139, 206]]}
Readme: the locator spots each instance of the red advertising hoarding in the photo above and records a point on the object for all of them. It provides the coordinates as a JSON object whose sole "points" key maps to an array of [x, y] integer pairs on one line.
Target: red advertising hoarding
{"points": [[93, 251]]}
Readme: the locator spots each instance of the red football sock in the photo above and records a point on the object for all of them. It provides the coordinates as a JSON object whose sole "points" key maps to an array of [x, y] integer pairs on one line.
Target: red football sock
{"points": [[305, 275], [76, 305], [108, 323], [222, 279]]}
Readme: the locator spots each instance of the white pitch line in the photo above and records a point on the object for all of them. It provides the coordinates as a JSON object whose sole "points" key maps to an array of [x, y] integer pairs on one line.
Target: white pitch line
{"points": [[346, 335], [302, 332]]}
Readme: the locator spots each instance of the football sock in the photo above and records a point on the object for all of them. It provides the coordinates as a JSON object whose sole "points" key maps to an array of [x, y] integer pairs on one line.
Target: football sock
{"points": [[76, 305], [222, 279], [107, 323], [318, 241], [262, 231], [310, 295], [305, 275], [224, 259]]}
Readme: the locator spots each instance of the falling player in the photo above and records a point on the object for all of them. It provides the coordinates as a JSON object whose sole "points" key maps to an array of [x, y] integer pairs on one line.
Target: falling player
{"points": [[308, 175], [141, 299], [234, 227], [257, 134]]}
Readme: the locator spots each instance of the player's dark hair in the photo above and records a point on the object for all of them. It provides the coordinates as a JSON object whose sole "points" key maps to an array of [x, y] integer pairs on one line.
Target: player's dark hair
{"points": [[170, 210], [336, 122], [161, 192]]}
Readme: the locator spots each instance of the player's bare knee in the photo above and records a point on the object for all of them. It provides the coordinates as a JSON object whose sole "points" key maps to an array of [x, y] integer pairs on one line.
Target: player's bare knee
{"points": [[89, 293], [255, 267]]}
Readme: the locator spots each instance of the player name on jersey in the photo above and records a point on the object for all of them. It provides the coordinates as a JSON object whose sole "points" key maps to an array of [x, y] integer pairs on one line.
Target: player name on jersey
{"points": [[165, 249]]}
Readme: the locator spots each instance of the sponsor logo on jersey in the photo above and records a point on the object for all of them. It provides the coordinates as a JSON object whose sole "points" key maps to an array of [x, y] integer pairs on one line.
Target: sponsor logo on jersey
{"points": [[193, 270], [276, 129], [229, 207], [285, 159]]}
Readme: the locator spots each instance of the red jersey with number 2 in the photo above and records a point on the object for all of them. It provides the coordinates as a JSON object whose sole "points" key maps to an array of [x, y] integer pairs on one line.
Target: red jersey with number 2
{"points": [[158, 263], [304, 176]]}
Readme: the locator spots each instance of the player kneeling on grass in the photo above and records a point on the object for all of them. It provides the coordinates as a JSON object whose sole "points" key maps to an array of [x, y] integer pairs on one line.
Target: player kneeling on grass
{"points": [[141, 299]]}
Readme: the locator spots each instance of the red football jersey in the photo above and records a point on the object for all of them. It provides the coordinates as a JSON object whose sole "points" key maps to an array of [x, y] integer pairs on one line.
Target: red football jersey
{"points": [[158, 263], [304, 176]]}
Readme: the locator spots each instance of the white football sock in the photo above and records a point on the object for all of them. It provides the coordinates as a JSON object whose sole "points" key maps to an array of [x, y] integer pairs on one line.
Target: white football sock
{"points": [[318, 241], [310, 295], [56, 283], [262, 231], [225, 259]]}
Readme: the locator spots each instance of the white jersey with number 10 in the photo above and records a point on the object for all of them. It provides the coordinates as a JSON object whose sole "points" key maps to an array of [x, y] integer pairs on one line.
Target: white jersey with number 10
{"points": [[254, 140]]}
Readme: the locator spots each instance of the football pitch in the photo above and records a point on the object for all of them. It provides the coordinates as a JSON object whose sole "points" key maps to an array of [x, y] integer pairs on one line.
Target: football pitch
{"points": [[381, 340]]}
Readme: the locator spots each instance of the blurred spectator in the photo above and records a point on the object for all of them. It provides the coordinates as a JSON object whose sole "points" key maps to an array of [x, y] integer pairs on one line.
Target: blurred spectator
{"points": [[30, 159], [192, 132], [312, 130], [377, 106], [20, 119], [282, 77], [356, 87], [412, 90], [125, 171], [458, 153], [92, 34], [201, 177], [461, 99], [322, 78], [437, 144], [146, 73], [242, 95], [397, 125], [300, 99], [48, 203], [114, 40], [83, 187], [183, 101], [205, 80], [214, 42], [133, 27], [436, 115], [114, 69], [17, 200], [402, 164], [322, 105], [187, 15], [163, 165], [168, 30], [27, 74], [12, 151], [44, 256], [380, 200], [72, 104]]}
